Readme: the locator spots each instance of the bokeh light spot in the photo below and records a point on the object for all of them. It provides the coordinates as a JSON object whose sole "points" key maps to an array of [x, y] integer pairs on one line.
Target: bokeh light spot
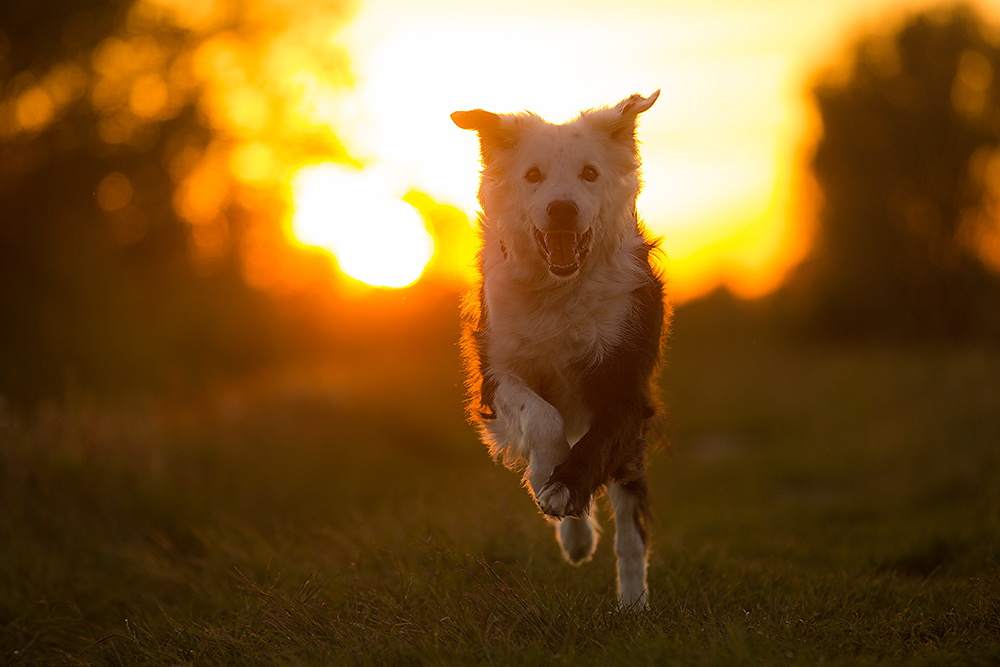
{"points": [[114, 192], [34, 110]]}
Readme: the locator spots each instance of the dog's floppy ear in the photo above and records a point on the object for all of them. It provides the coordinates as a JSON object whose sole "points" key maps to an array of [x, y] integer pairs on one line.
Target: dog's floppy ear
{"points": [[623, 124], [493, 135], [476, 119]]}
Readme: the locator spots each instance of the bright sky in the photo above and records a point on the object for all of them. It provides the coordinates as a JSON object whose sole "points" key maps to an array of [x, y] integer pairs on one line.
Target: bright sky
{"points": [[722, 148]]}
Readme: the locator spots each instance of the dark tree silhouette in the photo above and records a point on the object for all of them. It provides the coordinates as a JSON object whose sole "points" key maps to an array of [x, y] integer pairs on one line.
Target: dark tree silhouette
{"points": [[102, 122], [909, 131]]}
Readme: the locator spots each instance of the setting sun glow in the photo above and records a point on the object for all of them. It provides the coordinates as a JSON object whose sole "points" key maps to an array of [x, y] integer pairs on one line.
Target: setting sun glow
{"points": [[353, 100], [715, 192], [722, 151], [376, 239]]}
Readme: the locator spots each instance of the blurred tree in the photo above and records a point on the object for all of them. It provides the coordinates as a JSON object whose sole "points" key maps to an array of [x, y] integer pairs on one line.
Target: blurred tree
{"points": [[144, 149], [907, 168]]}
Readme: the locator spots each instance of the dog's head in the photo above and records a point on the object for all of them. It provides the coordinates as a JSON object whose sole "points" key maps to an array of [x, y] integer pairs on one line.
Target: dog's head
{"points": [[556, 194]]}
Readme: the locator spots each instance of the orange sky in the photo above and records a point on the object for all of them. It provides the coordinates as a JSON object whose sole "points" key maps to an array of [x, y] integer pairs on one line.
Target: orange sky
{"points": [[722, 148], [290, 88]]}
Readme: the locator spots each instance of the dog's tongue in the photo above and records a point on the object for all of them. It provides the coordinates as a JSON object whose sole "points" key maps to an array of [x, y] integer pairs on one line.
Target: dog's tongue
{"points": [[561, 247]]}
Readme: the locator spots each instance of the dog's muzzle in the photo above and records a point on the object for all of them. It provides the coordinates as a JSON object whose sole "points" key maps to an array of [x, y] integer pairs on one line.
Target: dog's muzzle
{"points": [[563, 248], [563, 251]]}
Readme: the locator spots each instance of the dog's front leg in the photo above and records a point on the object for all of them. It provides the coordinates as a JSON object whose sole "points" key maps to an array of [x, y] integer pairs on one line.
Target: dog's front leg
{"points": [[613, 437], [525, 420]]}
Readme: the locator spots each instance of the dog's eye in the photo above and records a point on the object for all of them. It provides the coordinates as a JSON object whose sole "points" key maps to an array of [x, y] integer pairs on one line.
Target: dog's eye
{"points": [[533, 175], [589, 174]]}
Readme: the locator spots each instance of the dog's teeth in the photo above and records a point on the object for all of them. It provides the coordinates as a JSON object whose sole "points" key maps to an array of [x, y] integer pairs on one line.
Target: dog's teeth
{"points": [[562, 247], [563, 251]]}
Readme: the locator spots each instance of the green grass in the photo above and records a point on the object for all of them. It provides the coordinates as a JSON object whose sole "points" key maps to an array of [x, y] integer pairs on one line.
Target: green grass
{"points": [[815, 505]]}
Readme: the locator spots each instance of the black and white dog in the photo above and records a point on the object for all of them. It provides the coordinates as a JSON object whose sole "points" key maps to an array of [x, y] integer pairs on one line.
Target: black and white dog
{"points": [[563, 338]]}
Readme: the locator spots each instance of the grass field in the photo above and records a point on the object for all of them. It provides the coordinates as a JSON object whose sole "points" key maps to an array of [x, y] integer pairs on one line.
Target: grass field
{"points": [[815, 505]]}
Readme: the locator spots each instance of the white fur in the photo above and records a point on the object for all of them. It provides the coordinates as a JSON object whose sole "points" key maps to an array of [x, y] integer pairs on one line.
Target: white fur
{"points": [[535, 334], [578, 537], [542, 321], [630, 548]]}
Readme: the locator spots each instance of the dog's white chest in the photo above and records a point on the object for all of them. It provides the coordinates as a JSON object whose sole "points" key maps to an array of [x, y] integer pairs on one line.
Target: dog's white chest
{"points": [[556, 330], [550, 338]]}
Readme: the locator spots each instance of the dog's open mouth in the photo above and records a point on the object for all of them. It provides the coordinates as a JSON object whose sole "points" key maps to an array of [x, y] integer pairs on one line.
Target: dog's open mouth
{"points": [[564, 252]]}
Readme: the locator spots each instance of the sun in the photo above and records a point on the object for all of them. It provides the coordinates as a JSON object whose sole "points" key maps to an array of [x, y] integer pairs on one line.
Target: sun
{"points": [[376, 238]]}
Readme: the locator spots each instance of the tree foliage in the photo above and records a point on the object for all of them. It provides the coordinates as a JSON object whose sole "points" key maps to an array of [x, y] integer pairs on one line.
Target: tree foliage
{"points": [[907, 165], [144, 145]]}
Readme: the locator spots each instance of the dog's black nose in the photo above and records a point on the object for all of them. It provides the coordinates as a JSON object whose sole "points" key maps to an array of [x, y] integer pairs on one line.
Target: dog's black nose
{"points": [[562, 214]]}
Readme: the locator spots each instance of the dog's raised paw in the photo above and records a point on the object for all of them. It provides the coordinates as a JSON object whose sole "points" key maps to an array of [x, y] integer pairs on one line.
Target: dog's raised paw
{"points": [[554, 499]]}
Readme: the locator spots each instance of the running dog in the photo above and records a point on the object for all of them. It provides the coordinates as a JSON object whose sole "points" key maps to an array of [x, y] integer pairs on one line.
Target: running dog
{"points": [[562, 339]]}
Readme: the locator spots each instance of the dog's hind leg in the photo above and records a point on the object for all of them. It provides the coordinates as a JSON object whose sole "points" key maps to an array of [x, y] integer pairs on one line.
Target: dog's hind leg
{"points": [[578, 537], [630, 501]]}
